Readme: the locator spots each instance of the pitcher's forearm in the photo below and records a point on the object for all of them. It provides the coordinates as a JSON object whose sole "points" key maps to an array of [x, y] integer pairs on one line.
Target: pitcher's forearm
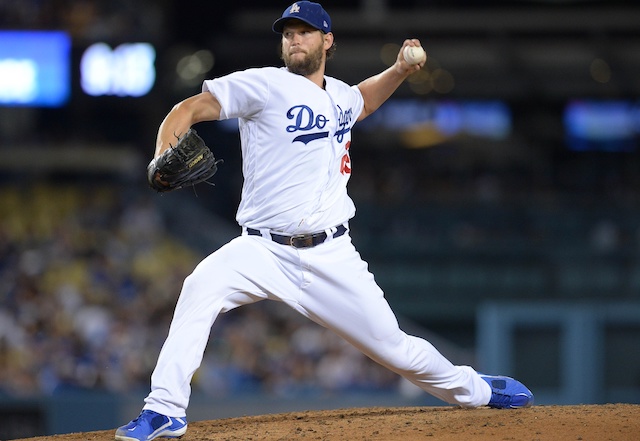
{"points": [[198, 108]]}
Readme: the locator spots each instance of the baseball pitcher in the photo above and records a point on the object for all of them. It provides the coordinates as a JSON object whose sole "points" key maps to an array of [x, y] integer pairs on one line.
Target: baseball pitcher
{"points": [[295, 127]]}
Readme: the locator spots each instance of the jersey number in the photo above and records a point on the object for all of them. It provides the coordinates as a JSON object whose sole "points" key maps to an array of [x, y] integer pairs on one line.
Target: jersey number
{"points": [[345, 164]]}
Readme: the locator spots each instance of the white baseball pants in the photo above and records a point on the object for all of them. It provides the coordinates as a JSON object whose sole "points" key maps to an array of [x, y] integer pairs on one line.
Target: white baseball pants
{"points": [[331, 285]]}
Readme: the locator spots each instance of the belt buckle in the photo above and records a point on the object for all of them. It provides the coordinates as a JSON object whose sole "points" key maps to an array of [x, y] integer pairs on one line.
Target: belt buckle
{"points": [[301, 241]]}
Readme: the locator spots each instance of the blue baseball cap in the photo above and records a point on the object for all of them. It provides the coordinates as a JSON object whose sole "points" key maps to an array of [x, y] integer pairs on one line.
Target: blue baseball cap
{"points": [[309, 12]]}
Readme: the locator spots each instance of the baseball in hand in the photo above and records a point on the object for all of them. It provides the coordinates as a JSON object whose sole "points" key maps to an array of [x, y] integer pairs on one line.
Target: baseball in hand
{"points": [[413, 54]]}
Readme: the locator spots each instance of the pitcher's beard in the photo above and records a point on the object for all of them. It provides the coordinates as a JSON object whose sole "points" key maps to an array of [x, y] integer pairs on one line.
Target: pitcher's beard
{"points": [[307, 65]]}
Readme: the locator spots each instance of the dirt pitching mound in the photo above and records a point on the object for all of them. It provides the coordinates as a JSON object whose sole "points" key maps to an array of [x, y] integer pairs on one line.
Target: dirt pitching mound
{"points": [[615, 422]]}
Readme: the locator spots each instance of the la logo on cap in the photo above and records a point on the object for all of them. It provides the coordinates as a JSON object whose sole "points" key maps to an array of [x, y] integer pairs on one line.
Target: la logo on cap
{"points": [[294, 8]]}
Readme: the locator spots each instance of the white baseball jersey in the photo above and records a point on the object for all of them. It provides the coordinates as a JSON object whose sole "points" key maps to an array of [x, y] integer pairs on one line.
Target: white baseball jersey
{"points": [[295, 147]]}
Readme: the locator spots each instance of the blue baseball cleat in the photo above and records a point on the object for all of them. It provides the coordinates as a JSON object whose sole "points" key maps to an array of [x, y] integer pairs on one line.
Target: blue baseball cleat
{"points": [[151, 425], [507, 393]]}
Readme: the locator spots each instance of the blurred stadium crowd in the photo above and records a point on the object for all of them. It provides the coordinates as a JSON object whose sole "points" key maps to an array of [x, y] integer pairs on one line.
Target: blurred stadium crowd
{"points": [[89, 278], [86, 19]]}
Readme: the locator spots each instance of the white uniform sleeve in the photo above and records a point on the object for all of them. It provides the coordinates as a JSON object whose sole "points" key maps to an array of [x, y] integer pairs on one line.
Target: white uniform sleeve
{"points": [[358, 103], [241, 94]]}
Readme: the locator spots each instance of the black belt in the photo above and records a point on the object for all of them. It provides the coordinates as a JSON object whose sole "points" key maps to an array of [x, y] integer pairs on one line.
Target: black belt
{"points": [[301, 240]]}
